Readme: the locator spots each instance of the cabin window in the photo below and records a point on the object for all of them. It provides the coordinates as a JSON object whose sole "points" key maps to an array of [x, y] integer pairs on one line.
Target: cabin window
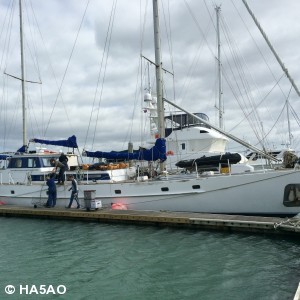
{"points": [[15, 163], [46, 161], [31, 163], [164, 189], [24, 162], [291, 195], [118, 192], [183, 146], [196, 187], [203, 131], [18, 163]]}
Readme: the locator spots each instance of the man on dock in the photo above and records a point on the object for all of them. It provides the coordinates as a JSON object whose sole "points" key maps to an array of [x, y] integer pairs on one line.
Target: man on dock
{"points": [[52, 194], [74, 193]]}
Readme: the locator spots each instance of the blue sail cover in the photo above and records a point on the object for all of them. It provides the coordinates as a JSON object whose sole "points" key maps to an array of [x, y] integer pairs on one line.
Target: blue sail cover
{"points": [[22, 149], [4, 156], [158, 151], [70, 142]]}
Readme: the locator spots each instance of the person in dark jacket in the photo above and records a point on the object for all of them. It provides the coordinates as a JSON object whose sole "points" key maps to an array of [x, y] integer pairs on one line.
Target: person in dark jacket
{"points": [[62, 169], [74, 193], [64, 160], [51, 191]]}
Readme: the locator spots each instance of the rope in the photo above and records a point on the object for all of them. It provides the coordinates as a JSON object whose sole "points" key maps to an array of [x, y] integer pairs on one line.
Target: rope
{"points": [[290, 223]]}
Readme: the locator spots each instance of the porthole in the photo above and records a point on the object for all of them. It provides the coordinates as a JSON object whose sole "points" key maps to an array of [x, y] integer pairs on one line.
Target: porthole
{"points": [[196, 187]]}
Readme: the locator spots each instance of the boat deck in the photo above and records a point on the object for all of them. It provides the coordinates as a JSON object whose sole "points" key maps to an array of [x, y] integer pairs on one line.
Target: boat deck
{"points": [[230, 223]]}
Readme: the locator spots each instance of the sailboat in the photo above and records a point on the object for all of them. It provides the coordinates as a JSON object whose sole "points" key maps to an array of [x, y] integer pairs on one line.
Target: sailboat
{"points": [[264, 192]]}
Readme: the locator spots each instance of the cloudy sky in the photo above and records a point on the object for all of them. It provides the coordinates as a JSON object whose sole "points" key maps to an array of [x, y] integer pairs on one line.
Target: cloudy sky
{"points": [[86, 55]]}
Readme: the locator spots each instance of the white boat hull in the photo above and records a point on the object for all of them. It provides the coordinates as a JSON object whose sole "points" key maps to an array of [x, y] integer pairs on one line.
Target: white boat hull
{"points": [[252, 193]]}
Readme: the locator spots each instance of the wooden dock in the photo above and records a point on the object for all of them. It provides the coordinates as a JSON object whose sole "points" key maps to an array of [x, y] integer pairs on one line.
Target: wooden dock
{"points": [[231, 223]]}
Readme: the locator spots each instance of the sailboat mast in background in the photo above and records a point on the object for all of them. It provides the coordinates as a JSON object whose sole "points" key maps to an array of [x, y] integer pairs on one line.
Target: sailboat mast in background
{"points": [[23, 77], [221, 105]]}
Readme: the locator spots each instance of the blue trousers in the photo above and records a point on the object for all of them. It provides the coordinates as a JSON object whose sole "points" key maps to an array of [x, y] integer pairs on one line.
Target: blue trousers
{"points": [[74, 195], [52, 195]]}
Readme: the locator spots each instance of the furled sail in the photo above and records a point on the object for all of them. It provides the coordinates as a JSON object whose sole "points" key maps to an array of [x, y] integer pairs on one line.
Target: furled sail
{"points": [[70, 142], [158, 151]]}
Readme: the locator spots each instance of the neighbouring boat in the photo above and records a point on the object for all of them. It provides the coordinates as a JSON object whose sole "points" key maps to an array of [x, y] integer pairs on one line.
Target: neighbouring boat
{"points": [[265, 192]]}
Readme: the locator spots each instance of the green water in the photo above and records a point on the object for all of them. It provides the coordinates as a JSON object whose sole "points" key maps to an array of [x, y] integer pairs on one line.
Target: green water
{"points": [[104, 261]]}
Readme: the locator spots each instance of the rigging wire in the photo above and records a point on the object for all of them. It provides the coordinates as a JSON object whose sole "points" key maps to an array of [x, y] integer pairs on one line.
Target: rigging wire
{"points": [[52, 71], [242, 85], [270, 130], [139, 80], [109, 35], [196, 59], [105, 66], [4, 59], [33, 54], [261, 101], [67, 67], [259, 50]]}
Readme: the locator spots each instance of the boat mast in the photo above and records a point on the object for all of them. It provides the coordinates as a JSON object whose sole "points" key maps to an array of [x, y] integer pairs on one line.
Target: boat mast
{"points": [[285, 70], [221, 105], [158, 66], [23, 76]]}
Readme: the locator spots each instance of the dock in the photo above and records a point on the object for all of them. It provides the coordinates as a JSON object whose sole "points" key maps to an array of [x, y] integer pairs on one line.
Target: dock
{"points": [[230, 223]]}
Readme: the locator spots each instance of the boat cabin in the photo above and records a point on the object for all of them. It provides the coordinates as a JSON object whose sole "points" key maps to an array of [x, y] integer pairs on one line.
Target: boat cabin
{"points": [[38, 161], [180, 121]]}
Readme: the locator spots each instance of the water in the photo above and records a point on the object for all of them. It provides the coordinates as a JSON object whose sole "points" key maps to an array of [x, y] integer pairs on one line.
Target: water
{"points": [[111, 261]]}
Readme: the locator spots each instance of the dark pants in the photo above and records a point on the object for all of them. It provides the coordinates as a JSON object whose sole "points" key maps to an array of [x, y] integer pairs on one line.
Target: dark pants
{"points": [[51, 198], [61, 174], [74, 195]]}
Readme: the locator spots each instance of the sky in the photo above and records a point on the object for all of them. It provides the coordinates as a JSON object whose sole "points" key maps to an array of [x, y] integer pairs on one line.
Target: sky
{"points": [[87, 68]]}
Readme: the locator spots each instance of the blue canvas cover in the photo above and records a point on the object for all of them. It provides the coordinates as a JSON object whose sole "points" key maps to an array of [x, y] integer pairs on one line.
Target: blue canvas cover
{"points": [[22, 149], [70, 142], [158, 151]]}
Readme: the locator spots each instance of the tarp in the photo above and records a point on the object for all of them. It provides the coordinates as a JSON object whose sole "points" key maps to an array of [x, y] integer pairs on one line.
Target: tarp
{"points": [[22, 149], [158, 151], [70, 142]]}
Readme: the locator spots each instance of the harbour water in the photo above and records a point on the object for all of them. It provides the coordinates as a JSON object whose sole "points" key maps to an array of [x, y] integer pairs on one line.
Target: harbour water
{"points": [[53, 259]]}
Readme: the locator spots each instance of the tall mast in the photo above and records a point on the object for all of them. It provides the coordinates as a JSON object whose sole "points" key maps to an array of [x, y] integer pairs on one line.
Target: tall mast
{"points": [[159, 91], [221, 105], [23, 77]]}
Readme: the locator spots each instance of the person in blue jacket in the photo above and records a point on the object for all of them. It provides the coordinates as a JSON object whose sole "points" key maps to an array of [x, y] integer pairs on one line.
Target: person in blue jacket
{"points": [[51, 191]]}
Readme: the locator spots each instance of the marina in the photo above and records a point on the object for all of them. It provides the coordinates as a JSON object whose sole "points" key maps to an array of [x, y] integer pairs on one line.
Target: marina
{"points": [[202, 221], [142, 180], [168, 204]]}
